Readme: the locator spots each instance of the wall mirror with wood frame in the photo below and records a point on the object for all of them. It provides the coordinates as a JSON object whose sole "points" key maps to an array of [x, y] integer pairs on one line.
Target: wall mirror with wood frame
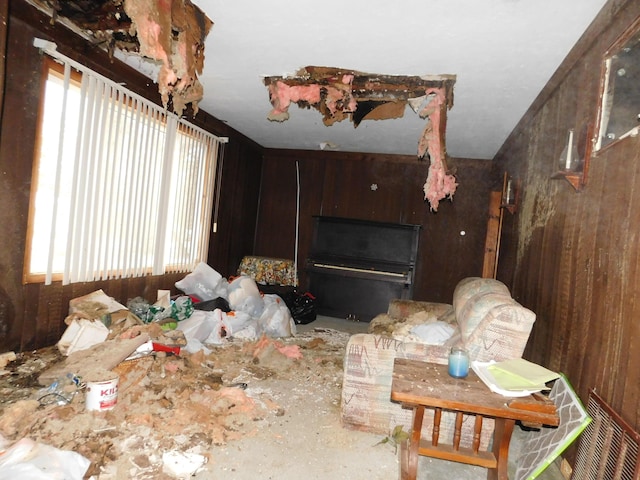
{"points": [[619, 113]]}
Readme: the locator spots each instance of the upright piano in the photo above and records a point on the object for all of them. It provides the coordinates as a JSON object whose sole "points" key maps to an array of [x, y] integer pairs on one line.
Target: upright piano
{"points": [[355, 267]]}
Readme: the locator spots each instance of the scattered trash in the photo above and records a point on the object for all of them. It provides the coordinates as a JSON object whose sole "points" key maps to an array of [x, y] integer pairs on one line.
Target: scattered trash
{"points": [[182, 464], [395, 438], [61, 391], [170, 401], [82, 334], [165, 345], [93, 362]]}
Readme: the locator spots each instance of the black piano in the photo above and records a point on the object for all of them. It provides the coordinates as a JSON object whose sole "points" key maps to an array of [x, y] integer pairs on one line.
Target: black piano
{"points": [[355, 267]]}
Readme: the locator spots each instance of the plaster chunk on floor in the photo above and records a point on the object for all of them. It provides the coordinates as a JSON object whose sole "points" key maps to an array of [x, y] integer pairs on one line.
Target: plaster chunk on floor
{"points": [[17, 418], [200, 403]]}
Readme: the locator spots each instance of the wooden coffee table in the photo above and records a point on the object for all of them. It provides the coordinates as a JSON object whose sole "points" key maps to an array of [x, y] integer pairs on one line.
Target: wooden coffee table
{"points": [[419, 385]]}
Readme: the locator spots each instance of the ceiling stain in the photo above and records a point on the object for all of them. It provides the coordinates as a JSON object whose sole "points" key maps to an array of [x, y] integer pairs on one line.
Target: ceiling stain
{"points": [[340, 94]]}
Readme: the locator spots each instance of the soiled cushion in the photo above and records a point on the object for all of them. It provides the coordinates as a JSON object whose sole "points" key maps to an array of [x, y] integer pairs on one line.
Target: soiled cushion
{"points": [[476, 309], [399, 308], [495, 327], [469, 287], [492, 325]]}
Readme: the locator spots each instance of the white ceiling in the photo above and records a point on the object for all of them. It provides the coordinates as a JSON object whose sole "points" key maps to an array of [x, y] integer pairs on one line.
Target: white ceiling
{"points": [[503, 52]]}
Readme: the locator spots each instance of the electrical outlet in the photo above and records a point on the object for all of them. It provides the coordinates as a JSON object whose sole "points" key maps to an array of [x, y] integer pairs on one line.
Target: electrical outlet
{"points": [[565, 469]]}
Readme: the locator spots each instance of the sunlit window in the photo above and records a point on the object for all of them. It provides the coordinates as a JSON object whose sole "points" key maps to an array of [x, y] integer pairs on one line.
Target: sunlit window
{"points": [[121, 188]]}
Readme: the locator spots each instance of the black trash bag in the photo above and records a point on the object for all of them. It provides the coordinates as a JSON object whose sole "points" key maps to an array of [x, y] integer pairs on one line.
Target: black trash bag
{"points": [[302, 307], [211, 305]]}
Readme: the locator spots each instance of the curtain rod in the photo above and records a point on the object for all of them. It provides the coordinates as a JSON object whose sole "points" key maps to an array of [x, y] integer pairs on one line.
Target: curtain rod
{"points": [[51, 49]]}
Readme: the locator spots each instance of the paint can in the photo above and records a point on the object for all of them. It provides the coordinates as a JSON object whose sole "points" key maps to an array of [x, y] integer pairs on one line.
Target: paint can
{"points": [[102, 395]]}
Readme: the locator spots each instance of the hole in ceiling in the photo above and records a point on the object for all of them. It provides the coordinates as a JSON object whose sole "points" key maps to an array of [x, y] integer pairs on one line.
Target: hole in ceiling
{"points": [[340, 94]]}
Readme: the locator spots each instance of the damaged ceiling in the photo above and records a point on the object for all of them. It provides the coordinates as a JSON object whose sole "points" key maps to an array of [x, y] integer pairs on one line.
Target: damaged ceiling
{"points": [[500, 52], [340, 94], [170, 35]]}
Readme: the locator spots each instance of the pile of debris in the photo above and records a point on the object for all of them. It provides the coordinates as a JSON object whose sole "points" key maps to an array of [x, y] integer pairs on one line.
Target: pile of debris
{"points": [[176, 385]]}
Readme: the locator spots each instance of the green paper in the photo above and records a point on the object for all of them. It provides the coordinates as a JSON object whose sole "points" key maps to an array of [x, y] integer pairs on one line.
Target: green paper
{"points": [[520, 374]]}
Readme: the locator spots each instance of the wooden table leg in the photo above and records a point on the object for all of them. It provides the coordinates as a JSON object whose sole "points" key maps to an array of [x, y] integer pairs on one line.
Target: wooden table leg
{"points": [[404, 460], [501, 440], [411, 455]]}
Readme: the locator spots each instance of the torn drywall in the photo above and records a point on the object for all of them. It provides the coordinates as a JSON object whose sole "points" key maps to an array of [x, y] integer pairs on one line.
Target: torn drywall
{"points": [[170, 33]]}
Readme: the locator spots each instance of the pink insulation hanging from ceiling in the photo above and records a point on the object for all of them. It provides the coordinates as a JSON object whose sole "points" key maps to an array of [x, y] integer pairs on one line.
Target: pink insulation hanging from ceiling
{"points": [[172, 32], [439, 183]]}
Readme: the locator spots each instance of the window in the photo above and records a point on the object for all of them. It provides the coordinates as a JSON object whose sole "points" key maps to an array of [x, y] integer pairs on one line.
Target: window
{"points": [[121, 188]]}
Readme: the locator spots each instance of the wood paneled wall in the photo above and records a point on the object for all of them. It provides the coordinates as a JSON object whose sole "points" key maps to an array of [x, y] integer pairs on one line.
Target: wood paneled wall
{"points": [[573, 258], [31, 316], [382, 188]]}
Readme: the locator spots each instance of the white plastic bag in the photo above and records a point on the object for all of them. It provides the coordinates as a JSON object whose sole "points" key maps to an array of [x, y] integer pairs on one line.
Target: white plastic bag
{"points": [[220, 329], [201, 327], [244, 296], [28, 460], [237, 322], [198, 326], [233, 324], [204, 282], [276, 320]]}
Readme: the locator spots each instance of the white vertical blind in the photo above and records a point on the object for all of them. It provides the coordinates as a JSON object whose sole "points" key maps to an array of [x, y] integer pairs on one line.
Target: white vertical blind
{"points": [[58, 174], [132, 196]]}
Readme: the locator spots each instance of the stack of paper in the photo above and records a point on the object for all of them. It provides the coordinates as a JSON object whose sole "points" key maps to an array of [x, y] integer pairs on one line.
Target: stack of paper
{"points": [[514, 378]]}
